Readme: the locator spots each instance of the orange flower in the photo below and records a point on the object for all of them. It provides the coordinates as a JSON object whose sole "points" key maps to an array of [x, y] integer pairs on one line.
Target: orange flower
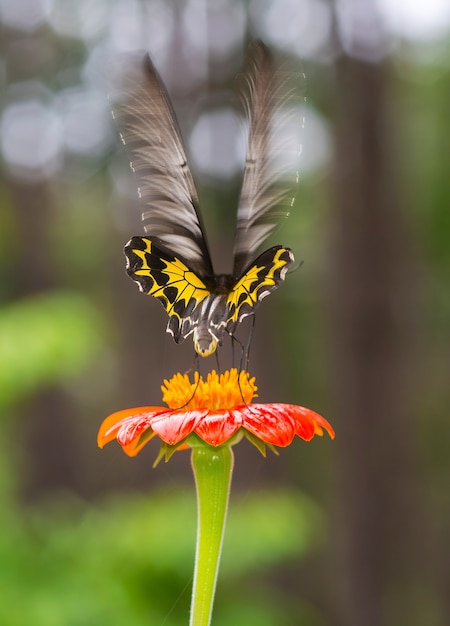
{"points": [[216, 411]]}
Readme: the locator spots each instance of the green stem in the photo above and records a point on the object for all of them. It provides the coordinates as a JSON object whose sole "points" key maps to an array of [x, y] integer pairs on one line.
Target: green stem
{"points": [[213, 468]]}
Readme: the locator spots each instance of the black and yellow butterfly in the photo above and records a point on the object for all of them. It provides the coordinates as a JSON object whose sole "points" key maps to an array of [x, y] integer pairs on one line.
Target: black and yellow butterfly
{"points": [[173, 263]]}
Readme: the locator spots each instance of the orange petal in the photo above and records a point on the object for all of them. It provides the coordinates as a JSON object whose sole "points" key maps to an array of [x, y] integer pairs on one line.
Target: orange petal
{"points": [[269, 422], [113, 423], [217, 427], [172, 426], [135, 446], [279, 423], [307, 422]]}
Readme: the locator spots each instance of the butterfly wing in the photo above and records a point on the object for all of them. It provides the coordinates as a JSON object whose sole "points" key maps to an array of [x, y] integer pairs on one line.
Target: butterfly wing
{"points": [[260, 279], [274, 123], [150, 132], [161, 274]]}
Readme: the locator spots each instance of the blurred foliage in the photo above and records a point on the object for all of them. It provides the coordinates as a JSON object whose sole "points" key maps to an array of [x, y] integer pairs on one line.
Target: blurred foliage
{"points": [[129, 559], [45, 339]]}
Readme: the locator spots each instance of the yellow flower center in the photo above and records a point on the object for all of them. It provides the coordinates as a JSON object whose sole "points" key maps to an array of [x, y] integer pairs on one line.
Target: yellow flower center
{"points": [[216, 392]]}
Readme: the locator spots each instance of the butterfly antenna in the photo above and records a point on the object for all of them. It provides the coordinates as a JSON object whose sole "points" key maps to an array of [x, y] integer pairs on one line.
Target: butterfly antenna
{"points": [[291, 270]]}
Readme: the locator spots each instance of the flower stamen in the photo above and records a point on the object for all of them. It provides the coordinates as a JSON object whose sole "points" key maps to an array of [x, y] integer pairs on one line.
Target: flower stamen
{"points": [[218, 391]]}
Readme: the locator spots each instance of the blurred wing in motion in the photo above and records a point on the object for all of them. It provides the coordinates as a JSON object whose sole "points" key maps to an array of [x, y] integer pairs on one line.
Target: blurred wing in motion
{"points": [[173, 263], [274, 126], [150, 132]]}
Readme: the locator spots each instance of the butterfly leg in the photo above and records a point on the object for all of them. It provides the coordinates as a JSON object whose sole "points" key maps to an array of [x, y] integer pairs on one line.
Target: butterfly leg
{"points": [[235, 340], [217, 361], [195, 365], [245, 361], [197, 382]]}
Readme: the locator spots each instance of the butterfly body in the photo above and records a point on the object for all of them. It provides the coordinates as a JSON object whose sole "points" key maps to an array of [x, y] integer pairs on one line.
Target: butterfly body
{"points": [[172, 262], [211, 321], [204, 306]]}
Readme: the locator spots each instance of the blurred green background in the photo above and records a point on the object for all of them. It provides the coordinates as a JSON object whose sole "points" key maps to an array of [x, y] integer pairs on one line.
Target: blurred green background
{"points": [[351, 532]]}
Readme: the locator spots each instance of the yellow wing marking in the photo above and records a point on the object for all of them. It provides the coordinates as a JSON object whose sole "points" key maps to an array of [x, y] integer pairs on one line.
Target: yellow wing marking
{"points": [[175, 275], [257, 283]]}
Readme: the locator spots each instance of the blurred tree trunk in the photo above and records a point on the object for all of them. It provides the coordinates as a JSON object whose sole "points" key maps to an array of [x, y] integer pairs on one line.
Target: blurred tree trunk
{"points": [[46, 422], [372, 312]]}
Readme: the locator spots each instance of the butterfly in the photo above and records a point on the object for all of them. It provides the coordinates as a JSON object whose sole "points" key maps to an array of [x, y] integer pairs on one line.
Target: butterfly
{"points": [[172, 262]]}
